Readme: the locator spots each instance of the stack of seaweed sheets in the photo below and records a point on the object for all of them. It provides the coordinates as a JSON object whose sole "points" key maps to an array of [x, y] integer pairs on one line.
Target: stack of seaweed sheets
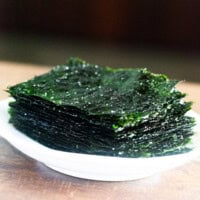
{"points": [[85, 108]]}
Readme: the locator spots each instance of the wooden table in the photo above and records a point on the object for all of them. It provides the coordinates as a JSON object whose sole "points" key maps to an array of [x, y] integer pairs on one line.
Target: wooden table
{"points": [[22, 178]]}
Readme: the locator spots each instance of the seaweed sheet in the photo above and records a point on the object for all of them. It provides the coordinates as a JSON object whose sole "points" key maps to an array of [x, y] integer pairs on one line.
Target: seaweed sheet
{"points": [[85, 108]]}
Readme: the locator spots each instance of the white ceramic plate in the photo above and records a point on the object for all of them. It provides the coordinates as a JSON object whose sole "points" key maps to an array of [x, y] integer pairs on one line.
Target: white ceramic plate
{"points": [[93, 167]]}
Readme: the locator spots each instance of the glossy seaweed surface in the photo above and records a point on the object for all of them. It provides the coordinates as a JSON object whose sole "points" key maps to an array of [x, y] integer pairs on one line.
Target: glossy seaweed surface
{"points": [[85, 108]]}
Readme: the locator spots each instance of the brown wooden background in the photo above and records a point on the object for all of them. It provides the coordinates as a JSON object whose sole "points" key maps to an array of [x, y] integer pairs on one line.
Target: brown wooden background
{"points": [[168, 23]]}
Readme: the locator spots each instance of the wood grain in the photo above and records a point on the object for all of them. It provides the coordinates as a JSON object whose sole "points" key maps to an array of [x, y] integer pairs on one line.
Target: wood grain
{"points": [[22, 178]]}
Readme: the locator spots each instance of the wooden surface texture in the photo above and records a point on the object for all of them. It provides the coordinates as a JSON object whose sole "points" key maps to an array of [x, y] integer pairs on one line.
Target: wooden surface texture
{"points": [[22, 178]]}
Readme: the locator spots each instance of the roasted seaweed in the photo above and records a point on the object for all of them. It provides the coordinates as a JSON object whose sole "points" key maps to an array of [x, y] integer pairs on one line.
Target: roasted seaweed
{"points": [[85, 108]]}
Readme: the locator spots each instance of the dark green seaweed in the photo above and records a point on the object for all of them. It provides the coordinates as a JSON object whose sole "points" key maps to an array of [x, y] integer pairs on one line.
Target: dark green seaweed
{"points": [[85, 108]]}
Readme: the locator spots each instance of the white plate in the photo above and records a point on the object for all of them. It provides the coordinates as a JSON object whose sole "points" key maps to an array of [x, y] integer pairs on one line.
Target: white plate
{"points": [[94, 167]]}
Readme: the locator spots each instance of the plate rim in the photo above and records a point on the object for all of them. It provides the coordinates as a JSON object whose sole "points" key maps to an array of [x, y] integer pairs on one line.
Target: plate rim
{"points": [[77, 158]]}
